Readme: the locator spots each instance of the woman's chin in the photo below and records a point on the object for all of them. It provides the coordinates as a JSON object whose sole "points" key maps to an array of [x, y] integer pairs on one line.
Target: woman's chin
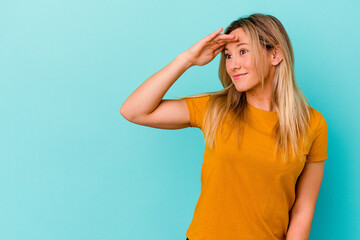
{"points": [[245, 86], [240, 88]]}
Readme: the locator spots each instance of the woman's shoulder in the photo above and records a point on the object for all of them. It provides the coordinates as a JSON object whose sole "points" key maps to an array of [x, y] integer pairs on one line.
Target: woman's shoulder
{"points": [[317, 119], [200, 96], [315, 114], [197, 105], [198, 100]]}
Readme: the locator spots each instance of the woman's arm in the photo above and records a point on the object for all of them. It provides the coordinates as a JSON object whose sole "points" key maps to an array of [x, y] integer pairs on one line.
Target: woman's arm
{"points": [[147, 97], [307, 191], [145, 105]]}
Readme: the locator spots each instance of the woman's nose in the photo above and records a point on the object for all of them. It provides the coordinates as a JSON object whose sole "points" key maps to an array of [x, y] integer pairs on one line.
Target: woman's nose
{"points": [[235, 63]]}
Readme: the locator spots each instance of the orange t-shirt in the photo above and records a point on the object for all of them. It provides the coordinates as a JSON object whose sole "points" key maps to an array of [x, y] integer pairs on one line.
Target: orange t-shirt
{"points": [[246, 193]]}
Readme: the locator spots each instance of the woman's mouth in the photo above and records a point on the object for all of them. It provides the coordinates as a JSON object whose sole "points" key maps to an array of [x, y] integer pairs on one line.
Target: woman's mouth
{"points": [[237, 76]]}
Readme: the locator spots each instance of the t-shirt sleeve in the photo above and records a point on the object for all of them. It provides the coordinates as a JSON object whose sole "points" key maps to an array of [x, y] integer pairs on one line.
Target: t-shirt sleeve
{"points": [[318, 150], [197, 108]]}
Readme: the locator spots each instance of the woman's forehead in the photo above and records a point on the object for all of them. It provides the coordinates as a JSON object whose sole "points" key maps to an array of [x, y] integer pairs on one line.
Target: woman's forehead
{"points": [[239, 32], [242, 38]]}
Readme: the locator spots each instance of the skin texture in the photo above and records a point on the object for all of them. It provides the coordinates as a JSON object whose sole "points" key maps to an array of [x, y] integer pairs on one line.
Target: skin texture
{"points": [[238, 60]]}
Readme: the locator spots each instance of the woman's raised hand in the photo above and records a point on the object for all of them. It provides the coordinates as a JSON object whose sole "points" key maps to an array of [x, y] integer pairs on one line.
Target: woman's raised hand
{"points": [[206, 49]]}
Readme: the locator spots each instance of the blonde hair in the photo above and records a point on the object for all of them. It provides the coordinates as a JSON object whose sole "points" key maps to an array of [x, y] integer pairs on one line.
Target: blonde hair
{"points": [[291, 105]]}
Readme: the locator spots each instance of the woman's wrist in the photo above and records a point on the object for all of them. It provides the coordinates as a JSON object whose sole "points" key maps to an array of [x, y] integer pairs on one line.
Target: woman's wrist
{"points": [[184, 59]]}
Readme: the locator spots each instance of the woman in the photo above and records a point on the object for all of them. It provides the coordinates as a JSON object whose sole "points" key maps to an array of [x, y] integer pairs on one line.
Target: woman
{"points": [[265, 146]]}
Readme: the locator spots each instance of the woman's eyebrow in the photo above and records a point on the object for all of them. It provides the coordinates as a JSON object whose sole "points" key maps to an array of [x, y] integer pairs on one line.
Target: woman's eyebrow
{"points": [[238, 45]]}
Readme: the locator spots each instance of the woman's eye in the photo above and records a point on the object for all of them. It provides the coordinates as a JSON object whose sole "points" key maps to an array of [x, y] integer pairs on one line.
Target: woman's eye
{"points": [[243, 50]]}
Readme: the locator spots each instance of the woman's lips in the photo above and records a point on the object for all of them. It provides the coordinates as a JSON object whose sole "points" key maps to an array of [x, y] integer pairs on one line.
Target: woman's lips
{"points": [[237, 76]]}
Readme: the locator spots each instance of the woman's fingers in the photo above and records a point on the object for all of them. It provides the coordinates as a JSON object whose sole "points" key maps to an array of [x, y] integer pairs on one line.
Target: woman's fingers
{"points": [[213, 35], [219, 45], [226, 37], [218, 42], [217, 37], [217, 51]]}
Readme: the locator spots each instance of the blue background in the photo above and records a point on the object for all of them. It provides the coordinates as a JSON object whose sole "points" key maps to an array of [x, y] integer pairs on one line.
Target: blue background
{"points": [[71, 167]]}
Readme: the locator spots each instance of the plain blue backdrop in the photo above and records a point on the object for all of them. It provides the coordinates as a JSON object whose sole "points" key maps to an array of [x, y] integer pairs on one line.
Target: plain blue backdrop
{"points": [[71, 167]]}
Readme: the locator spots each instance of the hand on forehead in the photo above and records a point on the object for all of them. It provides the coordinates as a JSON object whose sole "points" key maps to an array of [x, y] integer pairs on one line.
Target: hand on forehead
{"points": [[242, 39]]}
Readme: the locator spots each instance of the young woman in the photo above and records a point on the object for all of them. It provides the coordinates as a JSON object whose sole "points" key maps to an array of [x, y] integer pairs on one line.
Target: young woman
{"points": [[265, 146]]}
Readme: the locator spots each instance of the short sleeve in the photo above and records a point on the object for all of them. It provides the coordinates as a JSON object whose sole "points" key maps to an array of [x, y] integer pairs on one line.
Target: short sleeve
{"points": [[318, 150], [197, 108]]}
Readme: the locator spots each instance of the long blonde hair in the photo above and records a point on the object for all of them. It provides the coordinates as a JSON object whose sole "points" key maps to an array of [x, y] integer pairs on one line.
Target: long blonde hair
{"points": [[291, 105]]}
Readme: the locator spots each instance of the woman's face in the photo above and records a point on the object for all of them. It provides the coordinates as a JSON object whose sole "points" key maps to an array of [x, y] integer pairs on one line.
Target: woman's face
{"points": [[238, 61]]}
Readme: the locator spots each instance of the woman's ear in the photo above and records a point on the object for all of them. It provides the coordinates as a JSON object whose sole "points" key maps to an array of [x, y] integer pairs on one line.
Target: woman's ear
{"points": [[275, 56]]}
